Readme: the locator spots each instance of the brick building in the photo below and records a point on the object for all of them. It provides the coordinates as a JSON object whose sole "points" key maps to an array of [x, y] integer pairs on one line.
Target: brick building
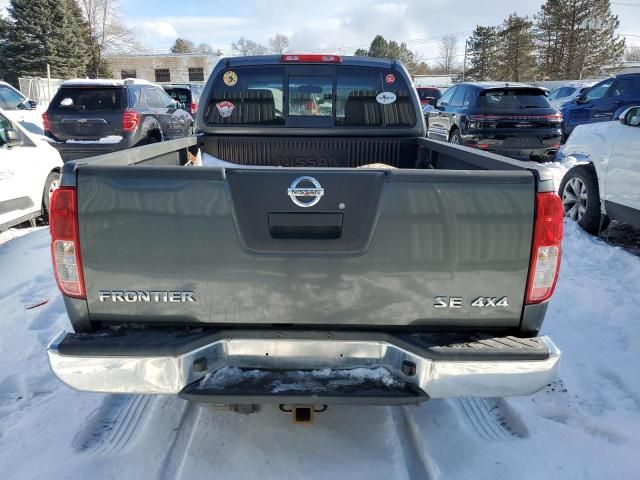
{"points": [[164, 68]]}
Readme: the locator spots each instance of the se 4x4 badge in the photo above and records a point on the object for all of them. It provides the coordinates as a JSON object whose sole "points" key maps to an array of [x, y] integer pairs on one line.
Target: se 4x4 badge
{"points": [[479, 302]]}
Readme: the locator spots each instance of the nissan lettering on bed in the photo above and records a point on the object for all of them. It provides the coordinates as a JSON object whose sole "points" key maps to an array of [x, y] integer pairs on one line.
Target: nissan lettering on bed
{"points": [[426, 267]]}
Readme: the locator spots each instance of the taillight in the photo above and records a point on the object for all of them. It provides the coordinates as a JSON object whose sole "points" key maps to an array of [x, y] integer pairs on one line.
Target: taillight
{"points": [[546, 250], [46, 125], [193, 108], [311, 58], [65, 244], [130, 120]]}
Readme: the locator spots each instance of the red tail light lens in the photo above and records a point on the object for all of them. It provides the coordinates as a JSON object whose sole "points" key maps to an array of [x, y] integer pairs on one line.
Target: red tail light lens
{"points": [[311, 58], [130, 120], [546, 250], [65, 245], [193, 108], [46, 125]]}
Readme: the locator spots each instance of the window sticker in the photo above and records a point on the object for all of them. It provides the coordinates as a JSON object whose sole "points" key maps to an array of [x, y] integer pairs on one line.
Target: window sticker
{"points": [[225, 108], [390, 78], [386, 98], [230, 78]]}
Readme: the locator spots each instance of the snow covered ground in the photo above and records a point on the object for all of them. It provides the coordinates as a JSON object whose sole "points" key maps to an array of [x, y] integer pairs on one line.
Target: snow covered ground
{"points": [[585, 425]]}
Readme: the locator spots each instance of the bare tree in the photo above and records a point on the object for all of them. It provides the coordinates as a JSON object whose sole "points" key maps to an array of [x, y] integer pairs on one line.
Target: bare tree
{"points": [[244, 47], [204, 48], [448, 52], [632, 54], [279, 43], [108, 33]]}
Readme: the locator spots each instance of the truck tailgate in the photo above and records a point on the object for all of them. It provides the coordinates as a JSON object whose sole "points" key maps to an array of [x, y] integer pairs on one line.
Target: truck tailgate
{"points": [[379, 248]]}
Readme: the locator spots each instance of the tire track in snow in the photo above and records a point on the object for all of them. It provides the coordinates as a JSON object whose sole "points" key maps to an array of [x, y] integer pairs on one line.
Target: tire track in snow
{"points": [[175, 456], [492, 419], [417, 461], [110, 428]]}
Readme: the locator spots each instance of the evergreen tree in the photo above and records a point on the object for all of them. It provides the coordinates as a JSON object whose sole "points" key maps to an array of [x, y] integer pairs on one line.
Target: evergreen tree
{"points": [[516, 54], [45, 32], [4, 31], [182, 45], [380, 48], [576, 37], [482, 53]]}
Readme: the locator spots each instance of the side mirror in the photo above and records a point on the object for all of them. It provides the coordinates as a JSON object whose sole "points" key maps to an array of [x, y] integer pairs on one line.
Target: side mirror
{"points": [[630, 117], [582, 98], [32, 104], [12, 138]]}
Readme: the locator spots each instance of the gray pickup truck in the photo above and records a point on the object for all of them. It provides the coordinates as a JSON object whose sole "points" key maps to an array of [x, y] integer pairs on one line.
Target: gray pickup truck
{"points": [[281, 271]]}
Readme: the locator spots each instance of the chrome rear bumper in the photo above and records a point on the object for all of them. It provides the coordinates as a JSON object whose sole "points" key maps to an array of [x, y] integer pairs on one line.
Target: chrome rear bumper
{"points": [[437, 375]]}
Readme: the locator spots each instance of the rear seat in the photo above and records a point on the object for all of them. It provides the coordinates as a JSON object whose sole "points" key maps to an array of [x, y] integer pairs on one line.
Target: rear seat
{"points": [[252, 106], [362, 109]]}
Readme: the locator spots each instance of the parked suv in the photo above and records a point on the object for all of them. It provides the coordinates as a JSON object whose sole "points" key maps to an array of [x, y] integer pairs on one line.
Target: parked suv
{"points": [[428, 95], [511, 119], [568, 92], [188, 95], [603, 184], [602, 102], [12, 99], [92, 117]]}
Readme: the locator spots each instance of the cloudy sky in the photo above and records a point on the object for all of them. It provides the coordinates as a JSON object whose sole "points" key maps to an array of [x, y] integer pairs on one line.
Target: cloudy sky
{"points": [[336, 25]]}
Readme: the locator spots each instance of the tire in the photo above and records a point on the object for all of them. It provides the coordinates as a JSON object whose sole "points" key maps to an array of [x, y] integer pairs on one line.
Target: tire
{"points": [[151, 139], [455, 137], [50, 185], [581, 199]]}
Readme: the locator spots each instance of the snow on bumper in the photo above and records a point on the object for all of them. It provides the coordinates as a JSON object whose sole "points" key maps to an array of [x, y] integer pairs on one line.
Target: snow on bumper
{"points": [[438, 375]]}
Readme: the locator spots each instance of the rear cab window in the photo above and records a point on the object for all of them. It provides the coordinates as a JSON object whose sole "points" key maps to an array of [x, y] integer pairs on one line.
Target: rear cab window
{"points": [[88, 99], [428, 93], [310, 95], [182, 95], [514, 98]]}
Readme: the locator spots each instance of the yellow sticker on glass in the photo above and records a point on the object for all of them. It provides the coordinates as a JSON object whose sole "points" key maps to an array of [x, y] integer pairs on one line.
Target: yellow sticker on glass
{"points": [[230, 78]]}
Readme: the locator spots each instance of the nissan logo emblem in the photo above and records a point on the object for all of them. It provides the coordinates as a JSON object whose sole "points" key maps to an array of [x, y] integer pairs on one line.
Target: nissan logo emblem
{"points": [[305, 191]]}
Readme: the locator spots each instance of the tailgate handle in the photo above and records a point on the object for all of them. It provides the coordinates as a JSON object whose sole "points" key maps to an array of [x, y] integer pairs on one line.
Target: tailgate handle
{"points": [[305, 226]]}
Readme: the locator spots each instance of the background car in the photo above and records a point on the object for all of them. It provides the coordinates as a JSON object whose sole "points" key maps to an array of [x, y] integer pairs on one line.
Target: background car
{"points": [[93, 117], [13, 99], [568, 92], [29, 173], [603, 101], [604, 184], [510, 119], [428, 95], [187, 94]]}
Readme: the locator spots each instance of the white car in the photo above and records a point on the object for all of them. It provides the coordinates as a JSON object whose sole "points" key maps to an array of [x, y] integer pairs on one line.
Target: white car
{"points": [[29, 173], [567, 93], [605, 183]]}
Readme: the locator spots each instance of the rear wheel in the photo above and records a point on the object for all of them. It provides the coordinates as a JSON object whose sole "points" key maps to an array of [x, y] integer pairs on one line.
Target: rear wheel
{"points": [[51, 185], [455, 137], [581, 199]]}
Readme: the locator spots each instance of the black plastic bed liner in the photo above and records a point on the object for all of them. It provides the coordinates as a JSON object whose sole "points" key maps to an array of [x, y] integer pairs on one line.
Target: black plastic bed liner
{"points": [[365, 386]]}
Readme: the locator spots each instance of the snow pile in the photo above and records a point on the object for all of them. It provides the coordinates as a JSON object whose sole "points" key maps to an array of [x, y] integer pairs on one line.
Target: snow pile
{"points": [[211, 161], [298, 380], [111, 139], [559, 168]]}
